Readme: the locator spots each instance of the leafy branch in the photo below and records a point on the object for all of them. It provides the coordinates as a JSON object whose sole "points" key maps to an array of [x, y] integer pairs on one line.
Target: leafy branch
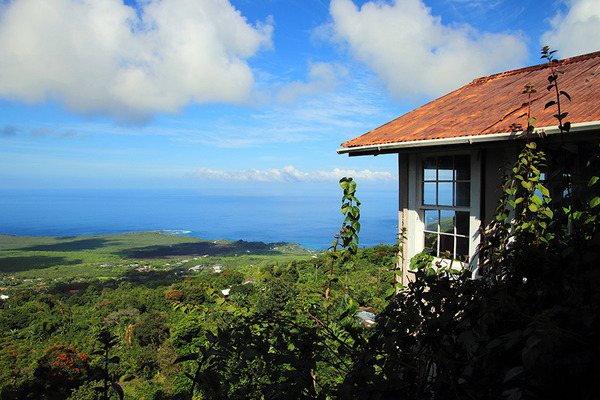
{"points": [[107, 341], [553, 84], [347, 238]]}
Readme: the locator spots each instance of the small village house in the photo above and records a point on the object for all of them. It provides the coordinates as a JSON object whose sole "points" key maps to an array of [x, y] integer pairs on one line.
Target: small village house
{"points": [[453, 152]]}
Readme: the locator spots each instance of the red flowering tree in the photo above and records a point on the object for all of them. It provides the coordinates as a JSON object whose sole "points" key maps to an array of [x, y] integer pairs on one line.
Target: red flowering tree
{"points": [[63, 368]]}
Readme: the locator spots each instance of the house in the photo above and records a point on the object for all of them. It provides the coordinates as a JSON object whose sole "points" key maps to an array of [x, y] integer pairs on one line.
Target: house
{"points": [[453, 152]]}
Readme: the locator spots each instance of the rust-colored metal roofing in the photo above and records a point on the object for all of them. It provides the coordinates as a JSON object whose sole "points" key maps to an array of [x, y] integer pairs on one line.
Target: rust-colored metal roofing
{"points": [[496, 104]]}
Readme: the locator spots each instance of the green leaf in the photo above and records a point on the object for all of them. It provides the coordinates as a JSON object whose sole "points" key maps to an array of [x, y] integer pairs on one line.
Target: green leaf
{"points": [[249, 353], [527, 185], [536, 200], [594, 202], [117, 388], [210, 336], [561, 116], [351, 186], [513, 373], [389, 293], [544, 190], [188, 357], [353, 247], [501, 217], [593, 181]]}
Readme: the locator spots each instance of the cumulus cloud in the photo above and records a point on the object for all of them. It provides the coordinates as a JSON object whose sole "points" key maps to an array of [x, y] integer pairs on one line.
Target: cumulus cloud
{"points": [[104, 57], [576, 32], [289, 174], [414, 53]]}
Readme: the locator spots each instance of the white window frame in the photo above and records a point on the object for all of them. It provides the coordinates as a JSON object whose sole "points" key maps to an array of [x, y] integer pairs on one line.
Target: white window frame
{"points": [[416, 209]]}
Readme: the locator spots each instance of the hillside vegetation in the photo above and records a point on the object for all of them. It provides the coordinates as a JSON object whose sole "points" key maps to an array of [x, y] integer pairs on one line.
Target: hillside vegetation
{"points": [[158, 295]]}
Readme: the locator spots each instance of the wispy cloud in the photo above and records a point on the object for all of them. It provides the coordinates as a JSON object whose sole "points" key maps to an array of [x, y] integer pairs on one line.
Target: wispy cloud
{"points": [[322, 77], [49, 132], [107, 58], [289, 174], [38, 132], [9, 130], [414, 53]]}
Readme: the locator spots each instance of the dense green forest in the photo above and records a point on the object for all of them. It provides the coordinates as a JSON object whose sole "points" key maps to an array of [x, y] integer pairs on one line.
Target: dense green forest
{"points": [[159, 295]]}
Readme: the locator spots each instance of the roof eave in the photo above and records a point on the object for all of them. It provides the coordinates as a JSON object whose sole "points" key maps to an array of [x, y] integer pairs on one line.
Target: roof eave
{"points": [[384, 148]]}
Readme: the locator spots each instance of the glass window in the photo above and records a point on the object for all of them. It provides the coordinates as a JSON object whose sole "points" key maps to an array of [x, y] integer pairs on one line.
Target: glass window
{"points": [[446, 194]]}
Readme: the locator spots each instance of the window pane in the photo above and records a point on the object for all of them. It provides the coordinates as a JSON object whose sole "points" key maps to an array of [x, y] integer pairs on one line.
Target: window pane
{"points": [[431, 243], [462, 249], [429, 193], [445, 194], [462, 165], [463, 194], [446, 245], [447, 221], [429, 169], [462, 223], [445, 168], [431, 220], [446, 184]]}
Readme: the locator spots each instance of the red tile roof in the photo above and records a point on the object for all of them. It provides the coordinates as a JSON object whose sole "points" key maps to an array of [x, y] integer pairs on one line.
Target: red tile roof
{"points": [[496, 104]]}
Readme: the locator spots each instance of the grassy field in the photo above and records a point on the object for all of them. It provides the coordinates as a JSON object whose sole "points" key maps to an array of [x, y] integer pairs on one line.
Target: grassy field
{"points": [[113, 256]]}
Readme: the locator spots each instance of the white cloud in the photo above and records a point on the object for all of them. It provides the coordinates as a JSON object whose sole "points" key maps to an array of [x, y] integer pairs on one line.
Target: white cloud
{"points": [[103, 57], [414, 53], [322, 77], [289, 174], [577, 32]]}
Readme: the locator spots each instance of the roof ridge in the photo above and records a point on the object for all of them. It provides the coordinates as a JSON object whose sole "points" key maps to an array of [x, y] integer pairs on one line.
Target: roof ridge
{"points": [[569, 60]]}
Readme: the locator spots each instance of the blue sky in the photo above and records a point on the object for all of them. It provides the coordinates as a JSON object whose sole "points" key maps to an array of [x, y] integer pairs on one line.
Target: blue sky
{"points": [[244, 95]]}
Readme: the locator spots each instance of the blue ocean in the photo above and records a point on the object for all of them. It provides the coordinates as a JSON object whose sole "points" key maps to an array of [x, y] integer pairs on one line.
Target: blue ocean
{"points": [[309, 220]]}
